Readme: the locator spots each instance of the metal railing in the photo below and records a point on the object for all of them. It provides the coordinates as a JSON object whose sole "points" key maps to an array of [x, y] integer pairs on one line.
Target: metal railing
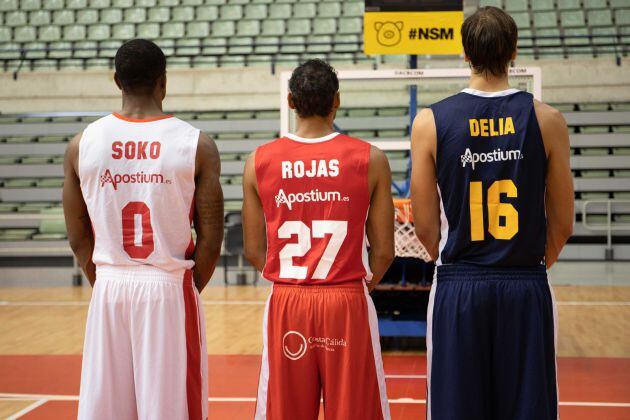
{"points": [[609, 226]]}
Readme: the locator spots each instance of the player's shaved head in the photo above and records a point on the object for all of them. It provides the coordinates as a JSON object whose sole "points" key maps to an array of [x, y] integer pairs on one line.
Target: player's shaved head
{"points": [[489, 37], [313, 87], [139, 65]]}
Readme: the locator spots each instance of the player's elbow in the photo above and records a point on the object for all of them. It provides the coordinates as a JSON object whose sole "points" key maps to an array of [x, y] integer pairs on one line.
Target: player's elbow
{"points": [[426, 234], [429, 237], [255, 255], [384, 254], [78, 244], [563, 229]]}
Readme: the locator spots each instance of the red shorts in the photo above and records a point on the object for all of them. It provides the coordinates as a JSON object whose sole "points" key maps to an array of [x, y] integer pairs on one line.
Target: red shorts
{"points": [[321, 342]]}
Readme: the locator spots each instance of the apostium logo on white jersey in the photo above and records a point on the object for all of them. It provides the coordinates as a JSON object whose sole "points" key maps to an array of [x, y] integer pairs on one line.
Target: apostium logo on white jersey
{"points": [[140, 177]]}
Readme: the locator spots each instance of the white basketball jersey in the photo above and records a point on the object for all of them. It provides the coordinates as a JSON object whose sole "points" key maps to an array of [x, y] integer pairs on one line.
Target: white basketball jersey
{"points": [[138, 182]]}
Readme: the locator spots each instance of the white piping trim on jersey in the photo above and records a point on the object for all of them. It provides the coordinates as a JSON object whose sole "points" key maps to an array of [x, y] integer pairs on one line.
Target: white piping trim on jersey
{"points": [[555, 345], [444, 228], [485, 94], [365, 258], [313, 140]]}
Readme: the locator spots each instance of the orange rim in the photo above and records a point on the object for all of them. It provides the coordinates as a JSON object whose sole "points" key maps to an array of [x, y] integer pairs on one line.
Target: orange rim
{"points": [[403, 210]]}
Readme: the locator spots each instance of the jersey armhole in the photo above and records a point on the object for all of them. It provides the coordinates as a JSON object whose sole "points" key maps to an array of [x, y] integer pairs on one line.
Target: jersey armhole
{"points": [[540, 133], [195, 147], [437, 136], [80, 157]]}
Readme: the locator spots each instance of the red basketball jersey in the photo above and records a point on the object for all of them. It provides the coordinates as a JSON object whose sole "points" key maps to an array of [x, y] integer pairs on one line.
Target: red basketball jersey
{"points": [[315, 197]]}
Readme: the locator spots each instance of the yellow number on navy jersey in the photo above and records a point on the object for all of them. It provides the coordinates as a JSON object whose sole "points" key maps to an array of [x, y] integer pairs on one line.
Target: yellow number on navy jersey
{"points": [[496, 210]]}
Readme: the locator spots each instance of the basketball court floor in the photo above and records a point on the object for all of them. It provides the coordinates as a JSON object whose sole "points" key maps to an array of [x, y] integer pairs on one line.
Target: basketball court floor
{"points": [[41, 337]]}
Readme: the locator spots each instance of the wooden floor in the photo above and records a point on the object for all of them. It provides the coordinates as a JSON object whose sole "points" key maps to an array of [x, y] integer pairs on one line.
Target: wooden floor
{"points": [[41, 339], [593, 320]]}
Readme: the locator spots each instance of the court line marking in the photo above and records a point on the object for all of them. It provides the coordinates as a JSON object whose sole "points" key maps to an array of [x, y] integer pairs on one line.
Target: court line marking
{"points": [[27, 409], [86, 303], [262, 303], [46, 398]]}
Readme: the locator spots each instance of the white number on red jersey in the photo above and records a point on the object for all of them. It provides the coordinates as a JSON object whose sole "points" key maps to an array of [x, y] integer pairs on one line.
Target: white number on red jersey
{"points": [[338, 229]]}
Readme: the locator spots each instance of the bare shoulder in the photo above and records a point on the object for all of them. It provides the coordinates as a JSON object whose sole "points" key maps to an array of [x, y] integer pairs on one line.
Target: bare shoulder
{"points": [[423, 130], [250, 162], [378, 168], [424, 120], [548, 116], [72, 151], [207, 154], [206, 146], [377, 157]]}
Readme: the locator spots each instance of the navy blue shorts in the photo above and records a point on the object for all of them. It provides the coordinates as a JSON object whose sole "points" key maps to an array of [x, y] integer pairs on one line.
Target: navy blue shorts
{"points": [[491, 345]]}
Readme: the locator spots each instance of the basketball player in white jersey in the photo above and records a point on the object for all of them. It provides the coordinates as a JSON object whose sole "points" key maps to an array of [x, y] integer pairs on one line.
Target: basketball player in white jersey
{"points": [[134, 182]]}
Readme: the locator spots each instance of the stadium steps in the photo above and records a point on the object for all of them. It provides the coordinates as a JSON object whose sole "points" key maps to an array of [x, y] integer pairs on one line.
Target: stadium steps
{"points": [[32, 147], [197, 33]]}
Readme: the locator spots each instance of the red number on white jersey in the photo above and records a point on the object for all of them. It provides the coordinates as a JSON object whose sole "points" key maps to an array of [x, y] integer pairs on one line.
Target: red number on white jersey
{"points": [[143, 247]]}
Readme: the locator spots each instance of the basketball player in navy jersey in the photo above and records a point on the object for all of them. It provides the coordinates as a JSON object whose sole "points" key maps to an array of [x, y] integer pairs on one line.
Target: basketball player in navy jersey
{"points": [[501, 211]]}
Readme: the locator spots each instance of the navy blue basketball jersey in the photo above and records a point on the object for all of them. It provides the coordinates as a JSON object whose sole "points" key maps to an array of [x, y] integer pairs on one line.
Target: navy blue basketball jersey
{"points": [[491, 166]]}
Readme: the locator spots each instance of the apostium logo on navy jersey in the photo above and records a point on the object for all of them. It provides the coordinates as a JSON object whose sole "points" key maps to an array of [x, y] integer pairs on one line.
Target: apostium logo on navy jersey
{"points": [[497, 155]]}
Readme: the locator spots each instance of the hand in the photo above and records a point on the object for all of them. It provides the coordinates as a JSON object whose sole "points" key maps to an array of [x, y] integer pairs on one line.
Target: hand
{"points": [[371, 285]]}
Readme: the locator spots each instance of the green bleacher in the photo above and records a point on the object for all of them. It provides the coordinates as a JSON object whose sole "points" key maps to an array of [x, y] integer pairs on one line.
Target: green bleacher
{"points": [[210, 33], [567, 28], [31, 173]]}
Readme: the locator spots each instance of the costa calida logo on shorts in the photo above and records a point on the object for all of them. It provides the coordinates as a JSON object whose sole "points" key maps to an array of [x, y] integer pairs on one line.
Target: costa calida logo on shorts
{"points": [[137, 178], [295, 345], [312, 196], [496, 155]]}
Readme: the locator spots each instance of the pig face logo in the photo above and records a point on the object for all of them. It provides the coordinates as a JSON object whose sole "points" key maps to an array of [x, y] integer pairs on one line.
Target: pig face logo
{"points": [[388, 34]]}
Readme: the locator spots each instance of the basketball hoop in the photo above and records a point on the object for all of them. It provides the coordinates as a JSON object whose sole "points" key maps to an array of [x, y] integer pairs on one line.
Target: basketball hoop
{"points": [[406, 242]]}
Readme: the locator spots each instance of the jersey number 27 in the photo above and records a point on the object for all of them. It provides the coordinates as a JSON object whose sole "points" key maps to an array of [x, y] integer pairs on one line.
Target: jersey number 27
{"points": [[338, 230]]}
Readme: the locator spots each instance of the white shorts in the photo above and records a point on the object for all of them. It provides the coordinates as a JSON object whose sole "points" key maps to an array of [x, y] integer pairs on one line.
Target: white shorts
{"points": [[145, 351]]}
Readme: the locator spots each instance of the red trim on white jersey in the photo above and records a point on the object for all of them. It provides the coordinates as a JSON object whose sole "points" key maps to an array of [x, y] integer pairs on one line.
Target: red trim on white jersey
{"points": [[193, 350], [143, 120]]}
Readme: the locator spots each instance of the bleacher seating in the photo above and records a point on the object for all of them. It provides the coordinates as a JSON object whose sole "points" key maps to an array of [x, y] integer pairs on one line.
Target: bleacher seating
{"points": [[568, 28], [32, 147], [210, 33]]}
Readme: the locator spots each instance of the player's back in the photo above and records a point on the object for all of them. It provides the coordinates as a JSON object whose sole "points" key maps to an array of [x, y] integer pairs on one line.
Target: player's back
{"points": [[491, 166], [315, 197], [138, 181]]}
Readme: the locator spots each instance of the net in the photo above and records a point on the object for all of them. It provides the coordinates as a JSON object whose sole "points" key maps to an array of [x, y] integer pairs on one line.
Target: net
{"points": [[406, 242]]}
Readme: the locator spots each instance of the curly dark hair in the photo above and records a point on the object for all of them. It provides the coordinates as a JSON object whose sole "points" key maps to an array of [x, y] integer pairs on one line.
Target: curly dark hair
{"points": [[313, 86], [139, 64]]}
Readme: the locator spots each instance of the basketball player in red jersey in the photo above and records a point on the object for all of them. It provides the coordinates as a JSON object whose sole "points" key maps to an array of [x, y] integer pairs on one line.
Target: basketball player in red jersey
{"points": [[310, 199], [134, 181]]}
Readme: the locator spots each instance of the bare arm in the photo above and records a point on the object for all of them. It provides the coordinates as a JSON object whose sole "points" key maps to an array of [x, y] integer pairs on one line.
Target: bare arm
{"points": [[78, 224], [208, 216], [380, 220], [559, 193], [425, 202], [254, 230]]}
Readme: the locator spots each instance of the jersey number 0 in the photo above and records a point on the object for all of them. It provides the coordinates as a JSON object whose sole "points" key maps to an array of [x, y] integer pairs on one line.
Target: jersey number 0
{"points": [[142, 247]]}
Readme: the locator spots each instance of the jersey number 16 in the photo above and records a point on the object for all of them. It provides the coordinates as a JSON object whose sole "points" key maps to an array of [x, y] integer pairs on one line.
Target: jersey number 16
{"points": [[496, 210]]}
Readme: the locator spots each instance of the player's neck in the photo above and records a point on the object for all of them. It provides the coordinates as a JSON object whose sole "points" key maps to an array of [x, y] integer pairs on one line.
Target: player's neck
{"points": [[488, 83], [140, 107], [314, 127]]}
